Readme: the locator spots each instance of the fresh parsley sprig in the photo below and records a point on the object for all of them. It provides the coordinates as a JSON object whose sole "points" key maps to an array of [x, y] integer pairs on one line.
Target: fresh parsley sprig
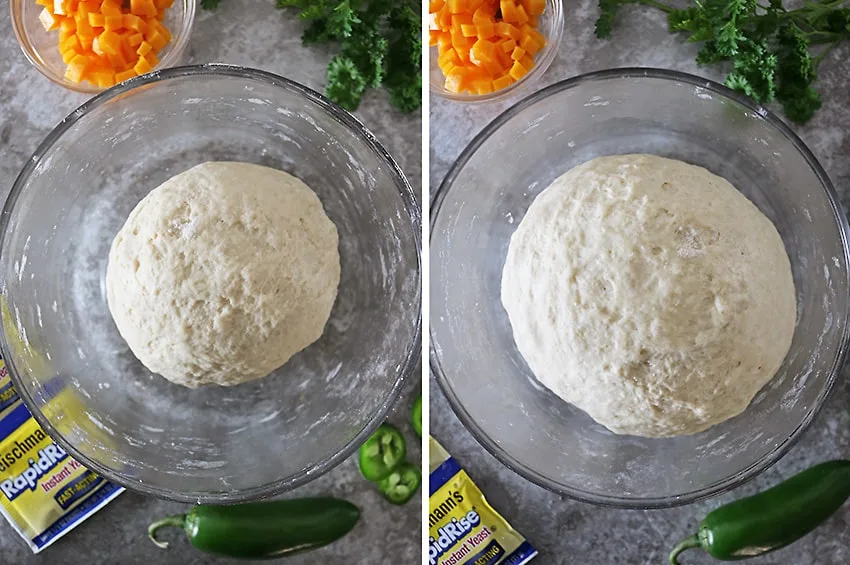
{"points": [[774, 52], [380, 44]]}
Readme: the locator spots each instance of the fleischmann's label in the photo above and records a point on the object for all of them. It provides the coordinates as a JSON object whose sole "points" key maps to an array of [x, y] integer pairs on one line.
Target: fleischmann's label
{"points": [[44, 492], [8, 394], [463, 527]]}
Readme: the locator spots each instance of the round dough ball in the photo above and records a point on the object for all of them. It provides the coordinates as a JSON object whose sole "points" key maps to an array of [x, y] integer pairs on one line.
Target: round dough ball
{"points": [[650, 293], [222, 273]]}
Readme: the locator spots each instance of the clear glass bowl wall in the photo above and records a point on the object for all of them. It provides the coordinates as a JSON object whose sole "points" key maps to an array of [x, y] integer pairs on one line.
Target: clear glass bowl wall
{"points": [[74, 369], [486, 194]]}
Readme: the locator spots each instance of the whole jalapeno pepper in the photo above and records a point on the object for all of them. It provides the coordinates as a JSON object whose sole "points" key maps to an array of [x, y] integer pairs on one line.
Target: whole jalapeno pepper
{"points": [[774, 518], [263, 530], [382, 452]]}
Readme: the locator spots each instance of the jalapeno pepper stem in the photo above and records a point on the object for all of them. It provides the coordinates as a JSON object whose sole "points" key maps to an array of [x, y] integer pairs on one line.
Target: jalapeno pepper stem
{"points": [[178, 521], [685, 544]]}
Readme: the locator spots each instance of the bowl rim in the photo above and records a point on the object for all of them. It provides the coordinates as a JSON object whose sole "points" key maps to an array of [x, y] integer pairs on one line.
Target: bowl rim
{"points": [[541, 65], [178, 45], [778, 451], [406, 366]]}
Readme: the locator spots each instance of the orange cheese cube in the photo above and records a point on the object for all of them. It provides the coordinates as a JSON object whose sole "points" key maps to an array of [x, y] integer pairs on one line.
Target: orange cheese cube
{"points": [[71, 42], [484, 14], [163, 31], [152, 59], [482, 86], [518, 71], [529, 45], [113, 23], [458, 20], [48, 21], [135, 23], [142, 66], [449, 56], [118, 61], [484, 50], [68, 55], [84, 28], [110, 42], [486, 30], [456, 6], [124, 75], [455, 80], [101, 76], [143, 8], [509, 10], [110, 8], [144, 49], [535, 7], [538, 37], [77, 68], [95, 47], [508, 45], [507, 30], [502, 82], [67, 27]]}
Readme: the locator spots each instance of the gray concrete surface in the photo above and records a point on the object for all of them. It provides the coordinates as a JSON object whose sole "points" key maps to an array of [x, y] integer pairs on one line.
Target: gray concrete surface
{"points": [[569, 532], [244, 32]]}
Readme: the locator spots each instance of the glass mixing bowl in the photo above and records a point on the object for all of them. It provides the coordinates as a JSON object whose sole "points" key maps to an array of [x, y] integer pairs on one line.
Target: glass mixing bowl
{"points": [[75, 372], [487, 192]]}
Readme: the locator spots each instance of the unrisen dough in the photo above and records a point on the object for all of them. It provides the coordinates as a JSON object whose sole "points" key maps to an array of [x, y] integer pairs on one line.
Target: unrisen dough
{"points": [[649, 293], [222, 273]]}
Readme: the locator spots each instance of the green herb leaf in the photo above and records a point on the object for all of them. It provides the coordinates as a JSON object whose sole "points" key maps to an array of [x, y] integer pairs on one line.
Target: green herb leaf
{"points": [[770, 47], [380, 44], [345, 83]]}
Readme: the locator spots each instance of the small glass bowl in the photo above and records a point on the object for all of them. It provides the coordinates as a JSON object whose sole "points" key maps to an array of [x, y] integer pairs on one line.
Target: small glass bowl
{"points": [[551, 25], [41, 47]]}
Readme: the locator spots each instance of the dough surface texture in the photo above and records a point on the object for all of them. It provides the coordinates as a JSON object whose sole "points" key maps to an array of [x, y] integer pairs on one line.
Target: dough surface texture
{"points": [[222, 273], [649, 293]]}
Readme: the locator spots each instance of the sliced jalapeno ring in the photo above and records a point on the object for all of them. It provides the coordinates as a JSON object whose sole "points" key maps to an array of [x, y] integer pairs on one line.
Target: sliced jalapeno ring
{"points": [[382, 452], [416, 414], [401, 484]]}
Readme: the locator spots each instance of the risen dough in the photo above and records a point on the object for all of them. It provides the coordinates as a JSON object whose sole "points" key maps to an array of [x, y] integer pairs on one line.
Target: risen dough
{"points": [[222, 273], [649, 293]]}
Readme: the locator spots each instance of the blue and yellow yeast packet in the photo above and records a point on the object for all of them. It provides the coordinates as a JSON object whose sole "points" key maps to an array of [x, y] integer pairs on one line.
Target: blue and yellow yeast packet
{"points": [[463, 528], [44, 492]]}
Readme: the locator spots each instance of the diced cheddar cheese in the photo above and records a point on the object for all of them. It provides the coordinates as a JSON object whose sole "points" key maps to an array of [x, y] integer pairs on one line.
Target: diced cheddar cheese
{"points": [[145, 8], [48, 20], [482, 45], [144, 49], [124, 75], [77, 68], [105, 42], [142, 66]]}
